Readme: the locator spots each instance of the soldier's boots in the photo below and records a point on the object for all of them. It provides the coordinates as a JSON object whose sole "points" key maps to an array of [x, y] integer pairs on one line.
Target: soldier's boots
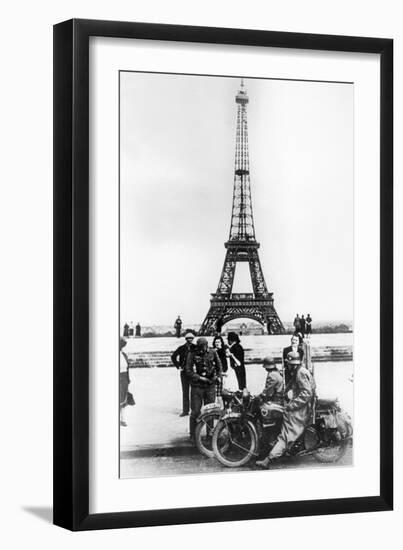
{"points": [[265, 463]]}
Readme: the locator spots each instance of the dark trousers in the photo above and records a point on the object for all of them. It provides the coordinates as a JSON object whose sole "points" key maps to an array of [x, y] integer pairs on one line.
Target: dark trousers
{"points": [[241, 377], [198, 398], [185, 392]]}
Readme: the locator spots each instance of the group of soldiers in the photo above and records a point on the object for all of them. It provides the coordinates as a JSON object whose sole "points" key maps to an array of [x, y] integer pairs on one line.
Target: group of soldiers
{"points": [[201, 371]]}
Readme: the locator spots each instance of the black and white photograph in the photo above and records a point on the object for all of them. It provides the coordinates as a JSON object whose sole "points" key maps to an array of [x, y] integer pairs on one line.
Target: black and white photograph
{"points": [[200, 271], [236, 257]]}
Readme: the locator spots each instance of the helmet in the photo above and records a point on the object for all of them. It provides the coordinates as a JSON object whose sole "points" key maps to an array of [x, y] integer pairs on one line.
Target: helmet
{"points": [[269, 363], [189, 335], [202, 341], [293, 358]]}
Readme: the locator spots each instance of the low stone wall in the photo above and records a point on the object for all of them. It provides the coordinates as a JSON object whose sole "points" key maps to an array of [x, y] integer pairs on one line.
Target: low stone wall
{"points": [[152, 359]]}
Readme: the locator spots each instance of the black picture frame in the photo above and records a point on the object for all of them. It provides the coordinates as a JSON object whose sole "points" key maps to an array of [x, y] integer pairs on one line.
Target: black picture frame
{"points": [[71, 273]]}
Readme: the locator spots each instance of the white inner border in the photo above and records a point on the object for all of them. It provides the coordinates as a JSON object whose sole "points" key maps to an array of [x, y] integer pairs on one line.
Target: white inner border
{"points": [[107, 492]]}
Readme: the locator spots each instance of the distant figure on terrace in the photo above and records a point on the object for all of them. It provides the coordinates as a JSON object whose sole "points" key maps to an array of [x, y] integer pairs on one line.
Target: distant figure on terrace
{"points": [[218, 325], [131, 330], [308, 325], [268, 324], [297, 323], [303, 326], [178, 326], [236, 355], [138, 329], [179, 358], [125, 330]]}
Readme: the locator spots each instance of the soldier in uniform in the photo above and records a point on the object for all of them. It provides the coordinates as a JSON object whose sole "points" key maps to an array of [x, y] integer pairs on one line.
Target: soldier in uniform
{"points": [[178, 358], [274, 388], [297, 412], [203, 367], [295, 346]]}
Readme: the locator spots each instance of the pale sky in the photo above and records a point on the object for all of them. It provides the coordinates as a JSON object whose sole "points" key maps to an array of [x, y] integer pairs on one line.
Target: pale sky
{"points": [[176, 179]]}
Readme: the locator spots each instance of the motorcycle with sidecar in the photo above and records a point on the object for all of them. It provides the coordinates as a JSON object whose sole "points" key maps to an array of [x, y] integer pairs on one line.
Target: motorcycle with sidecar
{"points": [[242, 435]]}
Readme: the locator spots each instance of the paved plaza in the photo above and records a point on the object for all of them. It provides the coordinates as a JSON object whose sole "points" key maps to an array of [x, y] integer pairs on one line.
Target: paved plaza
{"points": [[155, 430]]}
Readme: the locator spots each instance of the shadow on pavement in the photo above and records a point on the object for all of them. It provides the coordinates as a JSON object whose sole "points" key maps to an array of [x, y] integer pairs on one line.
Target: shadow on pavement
{"points": [[156, 452]]}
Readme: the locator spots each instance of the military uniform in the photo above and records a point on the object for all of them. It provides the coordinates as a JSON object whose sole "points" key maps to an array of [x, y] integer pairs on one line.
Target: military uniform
{"points": [[297, 413], [273, 389], [287, 369], [202, 369]]}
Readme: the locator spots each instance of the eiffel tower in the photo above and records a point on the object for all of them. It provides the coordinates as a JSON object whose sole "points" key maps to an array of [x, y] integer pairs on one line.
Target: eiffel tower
{"points": [[242, 247]]}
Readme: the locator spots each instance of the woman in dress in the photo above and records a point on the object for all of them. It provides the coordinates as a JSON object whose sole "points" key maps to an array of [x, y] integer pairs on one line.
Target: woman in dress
{"points": [[237, 358], [219, 347]]}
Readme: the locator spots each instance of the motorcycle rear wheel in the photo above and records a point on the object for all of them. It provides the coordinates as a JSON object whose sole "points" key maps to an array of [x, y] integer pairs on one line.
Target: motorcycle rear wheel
{"points": [[204, 433], [333, 453], [235, 442]]}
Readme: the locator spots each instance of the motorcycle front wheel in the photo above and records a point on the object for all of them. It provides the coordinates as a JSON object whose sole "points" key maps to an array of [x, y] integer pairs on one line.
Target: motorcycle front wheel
{"points": [[331, 453], [235, 442], [204, 433]]}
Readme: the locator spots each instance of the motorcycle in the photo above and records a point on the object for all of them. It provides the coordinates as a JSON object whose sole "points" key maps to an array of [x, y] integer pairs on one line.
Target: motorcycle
{"points": [[239, 436], [209, 417]]}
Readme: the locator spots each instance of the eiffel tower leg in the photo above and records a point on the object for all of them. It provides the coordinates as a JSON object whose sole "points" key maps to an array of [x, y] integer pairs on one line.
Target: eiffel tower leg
{"points": [[227, 274], [209, 323], [224, 290], [256, 274], [276, 326]]}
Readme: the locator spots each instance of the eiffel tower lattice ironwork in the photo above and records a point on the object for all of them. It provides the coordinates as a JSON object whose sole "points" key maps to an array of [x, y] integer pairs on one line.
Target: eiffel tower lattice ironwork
{"points": [[242, 247]]}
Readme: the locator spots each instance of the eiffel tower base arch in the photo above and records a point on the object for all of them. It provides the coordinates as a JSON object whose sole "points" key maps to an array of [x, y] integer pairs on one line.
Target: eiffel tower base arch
{"points": [[239, 306]]}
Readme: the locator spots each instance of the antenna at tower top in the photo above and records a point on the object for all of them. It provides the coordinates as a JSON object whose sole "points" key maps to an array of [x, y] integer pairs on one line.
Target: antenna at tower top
{"points": [[242, 96]]}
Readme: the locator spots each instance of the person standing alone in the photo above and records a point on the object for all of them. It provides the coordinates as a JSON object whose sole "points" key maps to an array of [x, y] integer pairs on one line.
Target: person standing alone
{"points": [[178, 358], [178, 326]]}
